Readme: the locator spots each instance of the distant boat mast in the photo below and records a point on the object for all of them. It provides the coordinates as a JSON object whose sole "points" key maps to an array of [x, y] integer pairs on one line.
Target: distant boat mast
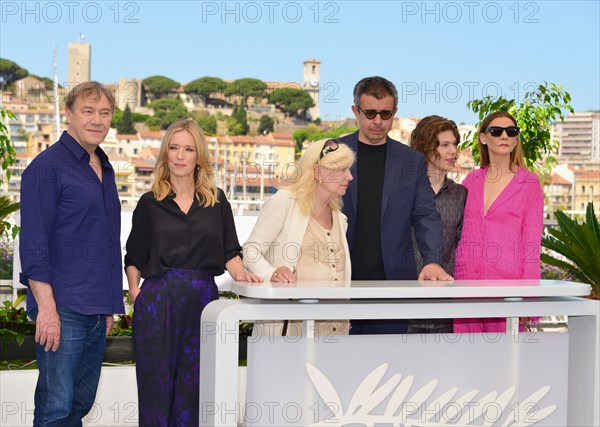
{"points": [[56, 104]]}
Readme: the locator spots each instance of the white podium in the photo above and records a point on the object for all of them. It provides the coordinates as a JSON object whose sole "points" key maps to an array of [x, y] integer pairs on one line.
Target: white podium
{"points": [[400, 300]]}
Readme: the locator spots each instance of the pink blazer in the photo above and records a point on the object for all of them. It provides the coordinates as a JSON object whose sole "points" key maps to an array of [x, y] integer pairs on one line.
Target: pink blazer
{"points": [[504, 243]]}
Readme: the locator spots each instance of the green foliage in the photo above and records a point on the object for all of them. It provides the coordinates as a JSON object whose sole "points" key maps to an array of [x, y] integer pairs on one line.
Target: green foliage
{"points": [[122, 327], [314, 133], [266, 125], [207, 122], [116, 118], [234, 128], [125, 125], [166, 111], [317, 121], [159, 86], [534, 116], [549, 272], [238, 123], [8, 154], [10, 72], [579, 244], [139, 117], [135, 118], [205, 86], [7, 254], [14, 325], [6, 208], [245, 88], [293, 102]]}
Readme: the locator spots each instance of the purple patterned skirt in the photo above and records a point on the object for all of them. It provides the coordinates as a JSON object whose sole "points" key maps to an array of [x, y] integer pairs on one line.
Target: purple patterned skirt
{"points": [[166, 334]]}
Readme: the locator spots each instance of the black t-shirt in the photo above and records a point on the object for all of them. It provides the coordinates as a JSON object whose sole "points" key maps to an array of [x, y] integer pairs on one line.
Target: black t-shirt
{"points": [[366, 255], [163, 237]]}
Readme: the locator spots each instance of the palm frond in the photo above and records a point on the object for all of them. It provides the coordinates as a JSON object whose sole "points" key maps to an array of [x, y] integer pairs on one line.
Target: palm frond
{"points": [[579, 245]]}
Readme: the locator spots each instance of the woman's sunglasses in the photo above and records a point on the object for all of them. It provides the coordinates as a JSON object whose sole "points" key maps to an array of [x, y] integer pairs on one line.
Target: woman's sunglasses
{"points": [[371, 114], [329, 146], [497, 131]]}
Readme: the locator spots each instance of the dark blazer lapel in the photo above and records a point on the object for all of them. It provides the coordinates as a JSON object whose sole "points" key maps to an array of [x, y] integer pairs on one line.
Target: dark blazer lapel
{"points": [[392, 167], [352, 142]]}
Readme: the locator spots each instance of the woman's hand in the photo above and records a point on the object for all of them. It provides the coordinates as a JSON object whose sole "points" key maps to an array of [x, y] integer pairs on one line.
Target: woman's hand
{"points": [[235, 267], [246, 276], [133, 294], [283, 274]]}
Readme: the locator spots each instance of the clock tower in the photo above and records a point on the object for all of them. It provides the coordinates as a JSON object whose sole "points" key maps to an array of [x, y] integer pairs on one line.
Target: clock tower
{"points": [[312, 83]]}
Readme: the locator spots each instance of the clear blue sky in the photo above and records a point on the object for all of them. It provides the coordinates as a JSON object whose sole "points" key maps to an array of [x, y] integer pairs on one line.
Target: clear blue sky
{"points": [[439, 54]]}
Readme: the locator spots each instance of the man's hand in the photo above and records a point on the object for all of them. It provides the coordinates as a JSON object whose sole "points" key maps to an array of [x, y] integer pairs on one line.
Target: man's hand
{"points": [[47, 328], [434, 271], [110, 321], [47, 324]]}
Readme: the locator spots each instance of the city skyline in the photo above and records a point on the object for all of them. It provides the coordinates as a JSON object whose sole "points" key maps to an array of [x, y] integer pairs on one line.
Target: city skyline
{"points": [[463, 50]]}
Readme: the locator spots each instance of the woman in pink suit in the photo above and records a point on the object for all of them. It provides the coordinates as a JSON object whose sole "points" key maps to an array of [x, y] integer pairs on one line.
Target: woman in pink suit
{"points": [[503, 218]]}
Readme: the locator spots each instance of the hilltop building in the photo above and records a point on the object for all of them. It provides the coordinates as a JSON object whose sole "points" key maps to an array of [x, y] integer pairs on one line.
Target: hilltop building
{"points": [[80, 62]]}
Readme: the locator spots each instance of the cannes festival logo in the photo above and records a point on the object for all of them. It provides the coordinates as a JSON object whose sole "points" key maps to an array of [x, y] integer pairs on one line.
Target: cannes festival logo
{"points": [[421, 408]]}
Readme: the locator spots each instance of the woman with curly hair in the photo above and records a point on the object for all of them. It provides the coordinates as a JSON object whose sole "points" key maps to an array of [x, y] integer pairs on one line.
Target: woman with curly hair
{"points": [[438, 138]]}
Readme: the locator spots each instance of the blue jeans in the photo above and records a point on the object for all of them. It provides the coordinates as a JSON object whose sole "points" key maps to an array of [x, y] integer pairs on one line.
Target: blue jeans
{"points": [[66, 387]]}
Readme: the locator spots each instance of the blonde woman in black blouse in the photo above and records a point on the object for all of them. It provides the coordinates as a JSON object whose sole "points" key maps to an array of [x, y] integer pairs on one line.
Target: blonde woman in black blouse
{"points": [[182, 236]]}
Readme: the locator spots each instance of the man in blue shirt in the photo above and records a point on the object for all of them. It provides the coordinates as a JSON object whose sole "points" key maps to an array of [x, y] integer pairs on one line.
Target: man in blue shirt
{"points": [[71, 257]]}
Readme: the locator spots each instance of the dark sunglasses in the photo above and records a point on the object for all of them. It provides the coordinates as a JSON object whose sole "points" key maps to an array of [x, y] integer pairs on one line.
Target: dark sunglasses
{"points": [[329, 146], [371, 114], [497, 131]]}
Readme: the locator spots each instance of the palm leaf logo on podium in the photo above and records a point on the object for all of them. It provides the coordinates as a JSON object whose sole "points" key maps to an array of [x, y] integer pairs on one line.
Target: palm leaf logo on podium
{"points": [[420, 408]]}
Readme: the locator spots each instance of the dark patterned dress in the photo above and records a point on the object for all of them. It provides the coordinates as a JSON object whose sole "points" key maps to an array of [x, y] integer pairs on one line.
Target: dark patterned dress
{"points": [[450, 203], [178, 255]]}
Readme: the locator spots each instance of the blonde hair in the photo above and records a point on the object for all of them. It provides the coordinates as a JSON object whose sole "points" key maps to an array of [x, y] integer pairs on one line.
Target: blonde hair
{"points": [[206, 190], [305, 186]]}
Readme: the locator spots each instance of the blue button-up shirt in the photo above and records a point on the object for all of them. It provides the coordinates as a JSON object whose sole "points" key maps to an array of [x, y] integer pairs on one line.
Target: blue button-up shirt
{"points": [[70, 229]]}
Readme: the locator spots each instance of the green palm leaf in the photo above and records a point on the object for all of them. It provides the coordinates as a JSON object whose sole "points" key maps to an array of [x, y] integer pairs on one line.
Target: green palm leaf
{"points": [[579, 245], [6, 208]]}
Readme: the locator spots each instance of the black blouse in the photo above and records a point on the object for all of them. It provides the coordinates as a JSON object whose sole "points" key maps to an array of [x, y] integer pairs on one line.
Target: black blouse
{"points": [[450, 203], [163, 237]]}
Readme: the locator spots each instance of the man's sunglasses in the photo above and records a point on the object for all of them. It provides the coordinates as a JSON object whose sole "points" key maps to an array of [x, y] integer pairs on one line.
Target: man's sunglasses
{"points": [[329, 146], [371, 114], [497, 131]]}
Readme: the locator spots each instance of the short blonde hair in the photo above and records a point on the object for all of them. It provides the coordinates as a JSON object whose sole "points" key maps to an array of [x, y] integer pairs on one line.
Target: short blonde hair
{"points": [[206, 190], [304, 187]]}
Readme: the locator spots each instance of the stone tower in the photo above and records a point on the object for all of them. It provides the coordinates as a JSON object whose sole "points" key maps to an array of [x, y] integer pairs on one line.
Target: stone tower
{"points": [[312, 84], [80, 60]]}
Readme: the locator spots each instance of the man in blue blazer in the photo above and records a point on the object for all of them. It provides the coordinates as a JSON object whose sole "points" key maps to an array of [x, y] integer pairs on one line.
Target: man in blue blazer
{"points": [[390, 194]]}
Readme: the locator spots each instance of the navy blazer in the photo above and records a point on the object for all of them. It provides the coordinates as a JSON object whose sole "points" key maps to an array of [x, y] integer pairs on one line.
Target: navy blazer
{"points": [[407, 200]]}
